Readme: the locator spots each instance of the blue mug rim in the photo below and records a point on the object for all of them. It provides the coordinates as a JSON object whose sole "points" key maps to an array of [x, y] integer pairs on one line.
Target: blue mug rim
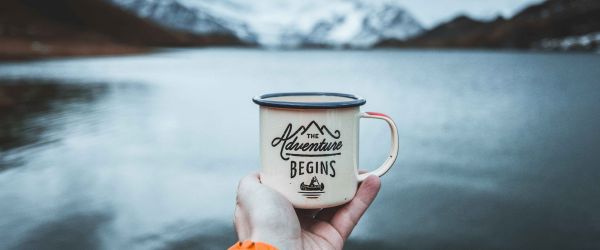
{"points": [[262, 100]]}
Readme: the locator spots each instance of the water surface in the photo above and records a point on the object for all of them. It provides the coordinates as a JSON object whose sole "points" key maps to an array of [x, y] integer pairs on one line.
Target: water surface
{"points": [[497, 150]]}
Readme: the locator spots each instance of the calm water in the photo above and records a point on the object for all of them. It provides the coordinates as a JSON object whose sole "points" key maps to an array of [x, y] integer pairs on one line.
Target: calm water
{"points": [[498, 150]]}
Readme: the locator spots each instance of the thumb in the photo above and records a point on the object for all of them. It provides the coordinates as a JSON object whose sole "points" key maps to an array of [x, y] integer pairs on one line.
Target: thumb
{"points": [[348, 216]]}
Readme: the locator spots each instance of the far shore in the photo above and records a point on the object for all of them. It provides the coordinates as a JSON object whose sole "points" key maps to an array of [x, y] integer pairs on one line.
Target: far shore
{"points": [[23, 49], [19, 49]]}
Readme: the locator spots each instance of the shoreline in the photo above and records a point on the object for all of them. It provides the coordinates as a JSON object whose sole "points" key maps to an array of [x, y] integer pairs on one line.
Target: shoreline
{"points": [[19, 49]]}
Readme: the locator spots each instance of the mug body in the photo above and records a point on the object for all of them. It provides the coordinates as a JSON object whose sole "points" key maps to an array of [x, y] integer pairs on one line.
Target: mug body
{"points": [[310, 155]]}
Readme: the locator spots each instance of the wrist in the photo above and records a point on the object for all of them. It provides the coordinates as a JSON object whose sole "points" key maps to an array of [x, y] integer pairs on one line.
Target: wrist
{"points": [[251, 245], [274, 240]]}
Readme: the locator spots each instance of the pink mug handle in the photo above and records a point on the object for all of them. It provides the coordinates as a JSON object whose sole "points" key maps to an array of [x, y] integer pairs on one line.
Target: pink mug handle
{"points": [[389, 162]]}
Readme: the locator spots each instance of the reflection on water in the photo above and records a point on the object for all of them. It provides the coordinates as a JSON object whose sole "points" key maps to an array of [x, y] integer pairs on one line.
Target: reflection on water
{"points": [[71, 232], [176, 237], [498, 150], [30, 109]]}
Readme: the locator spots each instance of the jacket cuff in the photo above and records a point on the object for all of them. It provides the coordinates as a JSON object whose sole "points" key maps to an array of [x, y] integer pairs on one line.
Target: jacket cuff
{"points": [[251, 245]]}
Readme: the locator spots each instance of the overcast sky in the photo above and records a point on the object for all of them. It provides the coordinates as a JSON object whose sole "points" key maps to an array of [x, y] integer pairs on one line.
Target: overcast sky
{"points": [[431, 12]]}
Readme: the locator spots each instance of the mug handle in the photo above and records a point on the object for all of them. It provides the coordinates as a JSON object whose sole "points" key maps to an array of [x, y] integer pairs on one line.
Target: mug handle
{"points": [[389, 162]]}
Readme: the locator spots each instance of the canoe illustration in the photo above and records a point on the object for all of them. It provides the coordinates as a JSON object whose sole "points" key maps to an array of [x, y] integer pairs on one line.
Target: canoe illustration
{"points": [[314, 185]]}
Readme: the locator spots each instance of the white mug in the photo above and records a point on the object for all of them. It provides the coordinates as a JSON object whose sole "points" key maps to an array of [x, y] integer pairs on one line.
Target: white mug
{"points": [[309, 146]]}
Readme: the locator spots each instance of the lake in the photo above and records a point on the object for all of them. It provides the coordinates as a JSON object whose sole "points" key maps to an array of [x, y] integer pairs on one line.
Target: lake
{"points": [[498, 150]]}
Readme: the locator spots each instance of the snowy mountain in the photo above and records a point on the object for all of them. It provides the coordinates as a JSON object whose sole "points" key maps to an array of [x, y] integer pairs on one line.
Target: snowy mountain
{"points": [[280, 23], [364, 25], [187, 17]]}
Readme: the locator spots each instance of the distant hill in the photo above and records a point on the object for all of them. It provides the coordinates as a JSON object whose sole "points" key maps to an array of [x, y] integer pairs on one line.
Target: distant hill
{"points": [[553, 24], [40, 28], [46, 28]]}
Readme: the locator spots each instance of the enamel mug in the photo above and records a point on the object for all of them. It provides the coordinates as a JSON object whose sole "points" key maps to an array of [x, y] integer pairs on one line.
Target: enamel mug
{"points": [[309, 146]]}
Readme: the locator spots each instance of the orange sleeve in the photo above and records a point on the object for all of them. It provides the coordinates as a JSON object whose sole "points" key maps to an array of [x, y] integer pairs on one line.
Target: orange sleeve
{"points": [[251, 245]]}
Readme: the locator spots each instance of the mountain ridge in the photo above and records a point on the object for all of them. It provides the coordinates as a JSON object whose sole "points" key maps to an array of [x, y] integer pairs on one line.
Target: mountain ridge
{"points": [[36, 28], [528, 29], [340, 23]]}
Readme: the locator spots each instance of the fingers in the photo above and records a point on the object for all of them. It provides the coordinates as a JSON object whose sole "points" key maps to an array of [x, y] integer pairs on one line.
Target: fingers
{"points": [[242, 227], [347, 216], [327, 213], [241, 223], [307, 213], [247, 189], [248, 182], [263, 214]]}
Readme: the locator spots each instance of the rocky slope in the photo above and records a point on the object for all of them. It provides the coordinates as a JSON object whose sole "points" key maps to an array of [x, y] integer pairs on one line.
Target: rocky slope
{"points": [[198, 18], [39, 28], [536, 27]]}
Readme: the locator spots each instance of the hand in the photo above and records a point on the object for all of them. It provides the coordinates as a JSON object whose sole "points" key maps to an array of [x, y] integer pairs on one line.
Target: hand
{"points": [[264, 215]]}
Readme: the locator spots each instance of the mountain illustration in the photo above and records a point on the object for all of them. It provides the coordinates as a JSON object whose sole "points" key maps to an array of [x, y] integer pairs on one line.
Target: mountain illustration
{"points": [[314, 126], [288, 141]]}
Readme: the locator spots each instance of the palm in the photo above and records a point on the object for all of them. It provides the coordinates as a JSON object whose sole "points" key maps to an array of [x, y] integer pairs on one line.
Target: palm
{"points": [[264, 215], [317, 234]]}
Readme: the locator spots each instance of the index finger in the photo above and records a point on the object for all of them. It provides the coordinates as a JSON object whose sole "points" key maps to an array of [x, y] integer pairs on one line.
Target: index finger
{"points": [[346, 218]]}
